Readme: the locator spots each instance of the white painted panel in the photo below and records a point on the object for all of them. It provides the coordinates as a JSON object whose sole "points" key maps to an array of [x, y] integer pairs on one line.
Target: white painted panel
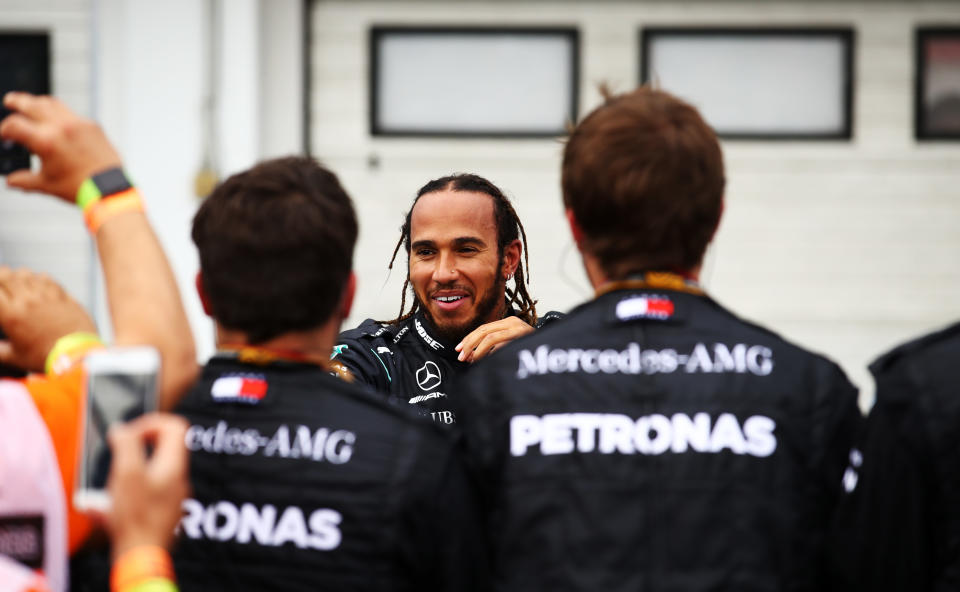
{"points": [[238, 109], [281, 77], [152, 91]]}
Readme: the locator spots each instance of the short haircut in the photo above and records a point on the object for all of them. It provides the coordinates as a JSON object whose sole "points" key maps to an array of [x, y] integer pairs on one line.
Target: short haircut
{"points": [[276, 247], [509, 229], [643, 175]]}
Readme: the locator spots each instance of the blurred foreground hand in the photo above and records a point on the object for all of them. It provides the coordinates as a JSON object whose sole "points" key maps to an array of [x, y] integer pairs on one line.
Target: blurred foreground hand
{"points": [[146, 493], [34, 313]]}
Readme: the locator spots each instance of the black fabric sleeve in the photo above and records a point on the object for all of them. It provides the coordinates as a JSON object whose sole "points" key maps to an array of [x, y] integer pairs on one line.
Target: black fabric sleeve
{"points": [[838, 425], [881, 539], [362, 362]]}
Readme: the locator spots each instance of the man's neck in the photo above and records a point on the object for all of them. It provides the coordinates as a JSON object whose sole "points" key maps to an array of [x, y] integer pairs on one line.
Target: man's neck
{"points": [[314, 344], [598, 277]]}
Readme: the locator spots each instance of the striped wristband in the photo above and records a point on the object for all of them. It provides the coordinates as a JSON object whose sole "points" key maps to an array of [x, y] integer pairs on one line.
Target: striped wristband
{"points": [[106, 194]]}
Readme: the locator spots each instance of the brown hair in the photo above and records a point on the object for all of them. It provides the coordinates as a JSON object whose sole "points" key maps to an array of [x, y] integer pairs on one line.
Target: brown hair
{"points": [[509, 229], [276, 247], [643, 175]]}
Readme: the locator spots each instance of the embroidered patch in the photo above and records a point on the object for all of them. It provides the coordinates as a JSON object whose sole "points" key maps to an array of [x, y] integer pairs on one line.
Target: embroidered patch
{"points": [[645, 307], [240, 388]]}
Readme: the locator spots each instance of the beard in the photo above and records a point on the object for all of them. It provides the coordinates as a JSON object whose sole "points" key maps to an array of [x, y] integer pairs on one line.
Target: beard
{"points": [[453, 332]]}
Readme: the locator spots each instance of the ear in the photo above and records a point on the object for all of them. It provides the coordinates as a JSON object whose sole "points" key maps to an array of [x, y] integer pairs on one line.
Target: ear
{"points": [[204, 301], [723, 203], [511, 258], [349, 291], [575, 229]]}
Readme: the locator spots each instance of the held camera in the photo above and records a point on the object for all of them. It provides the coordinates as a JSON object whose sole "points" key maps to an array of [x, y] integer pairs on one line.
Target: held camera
{"points": [[24, 66]]}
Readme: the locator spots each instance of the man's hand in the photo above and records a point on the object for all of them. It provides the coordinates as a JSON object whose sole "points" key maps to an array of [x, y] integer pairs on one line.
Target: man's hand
{"points": [[70, 147], [486, 338], [146, 493], [34, 313]]}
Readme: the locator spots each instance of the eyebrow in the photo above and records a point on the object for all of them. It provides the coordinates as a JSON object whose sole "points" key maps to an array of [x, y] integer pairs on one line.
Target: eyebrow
{"points": [[457, 242], [466, 240]]}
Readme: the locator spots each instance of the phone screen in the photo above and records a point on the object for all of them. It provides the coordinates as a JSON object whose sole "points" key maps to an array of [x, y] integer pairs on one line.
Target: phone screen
{"points": [[114, 395]]}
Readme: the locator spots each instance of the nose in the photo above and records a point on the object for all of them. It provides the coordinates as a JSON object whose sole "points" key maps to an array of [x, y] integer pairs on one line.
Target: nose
{"points": [[446, 269]]}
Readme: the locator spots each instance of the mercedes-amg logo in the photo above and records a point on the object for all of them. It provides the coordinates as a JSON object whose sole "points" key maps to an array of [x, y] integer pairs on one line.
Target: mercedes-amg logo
{"points": [[428, 376]]}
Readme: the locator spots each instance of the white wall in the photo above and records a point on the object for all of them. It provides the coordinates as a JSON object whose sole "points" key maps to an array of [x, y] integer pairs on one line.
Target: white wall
{"points": [[845, 247], [151, 73], [281, 78], [154, 79]]}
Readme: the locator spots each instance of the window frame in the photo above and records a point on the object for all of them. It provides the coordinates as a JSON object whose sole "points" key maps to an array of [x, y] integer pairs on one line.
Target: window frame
{"points": [[378, 32], [846, 35], [922, 34]]}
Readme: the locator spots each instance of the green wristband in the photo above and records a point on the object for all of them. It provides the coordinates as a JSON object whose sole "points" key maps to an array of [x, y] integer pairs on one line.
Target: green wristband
{"points": [[103, 184], [88, 194]]}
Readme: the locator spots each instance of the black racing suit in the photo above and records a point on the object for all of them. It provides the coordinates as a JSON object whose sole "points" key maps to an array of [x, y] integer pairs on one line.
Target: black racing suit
{"points": [[302, 481], [654, 441], [899, 524], [409, 360]]}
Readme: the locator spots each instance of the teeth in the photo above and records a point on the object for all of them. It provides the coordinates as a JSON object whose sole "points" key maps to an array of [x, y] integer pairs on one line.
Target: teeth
{"points": [[448, 298]]}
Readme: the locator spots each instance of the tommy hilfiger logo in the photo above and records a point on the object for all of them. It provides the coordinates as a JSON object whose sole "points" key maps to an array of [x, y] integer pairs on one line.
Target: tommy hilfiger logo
{"points": [[239, 388], [645, 307]]}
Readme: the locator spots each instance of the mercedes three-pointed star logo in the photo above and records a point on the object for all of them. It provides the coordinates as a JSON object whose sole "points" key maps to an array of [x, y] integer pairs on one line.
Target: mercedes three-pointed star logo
{"points": [[428, 376]]}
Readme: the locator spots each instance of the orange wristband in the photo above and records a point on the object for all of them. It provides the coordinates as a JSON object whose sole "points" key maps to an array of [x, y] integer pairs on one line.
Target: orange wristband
{"points": [[140, 565], [101, 211]]}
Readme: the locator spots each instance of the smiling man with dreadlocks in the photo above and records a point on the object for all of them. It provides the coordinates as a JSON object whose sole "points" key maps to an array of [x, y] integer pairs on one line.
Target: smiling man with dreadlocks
{"points": [[464, 243]]}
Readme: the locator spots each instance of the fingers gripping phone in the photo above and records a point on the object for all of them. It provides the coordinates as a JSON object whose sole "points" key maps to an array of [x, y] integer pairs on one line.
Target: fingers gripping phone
{"points": [[120, 385]]}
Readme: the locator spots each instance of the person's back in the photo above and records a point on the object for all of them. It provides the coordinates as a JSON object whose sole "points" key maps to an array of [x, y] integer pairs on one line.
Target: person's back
{"points": [[304, 481], [899, 524], [301, 480], [684, 451], [652, 440]]}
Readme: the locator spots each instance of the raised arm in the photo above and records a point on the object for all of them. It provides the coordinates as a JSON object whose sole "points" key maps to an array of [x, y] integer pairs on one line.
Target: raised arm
{"points": [[142, 294]]}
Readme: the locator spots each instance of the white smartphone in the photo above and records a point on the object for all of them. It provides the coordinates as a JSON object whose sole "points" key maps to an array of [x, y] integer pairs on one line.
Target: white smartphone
{"points": [[120, 385]]}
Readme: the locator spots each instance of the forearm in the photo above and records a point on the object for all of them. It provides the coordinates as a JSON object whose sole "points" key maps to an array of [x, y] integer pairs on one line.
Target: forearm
{"points": [[144, 301]]}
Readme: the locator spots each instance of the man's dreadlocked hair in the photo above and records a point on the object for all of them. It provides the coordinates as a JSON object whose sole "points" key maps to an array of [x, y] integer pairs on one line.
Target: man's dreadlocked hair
{"points": [[509, 228]]}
